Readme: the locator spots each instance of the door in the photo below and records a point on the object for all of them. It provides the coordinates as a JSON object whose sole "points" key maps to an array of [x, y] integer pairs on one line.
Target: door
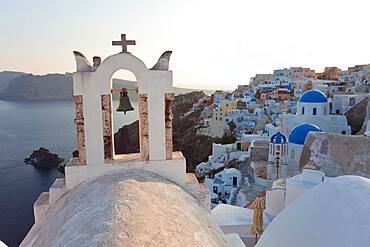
{"points": [[235, 181]]}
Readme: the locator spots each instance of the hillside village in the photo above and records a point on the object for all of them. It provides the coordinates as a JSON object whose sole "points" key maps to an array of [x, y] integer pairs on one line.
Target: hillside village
{"points": [[275, 111], [276, 121]]}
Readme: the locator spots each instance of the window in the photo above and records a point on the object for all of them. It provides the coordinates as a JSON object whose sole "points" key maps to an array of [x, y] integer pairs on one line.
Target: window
{"points": [[314, 111], [352, 101], [302, 110], [238, 146], [292, 154], [343, 132], [215, 189]]}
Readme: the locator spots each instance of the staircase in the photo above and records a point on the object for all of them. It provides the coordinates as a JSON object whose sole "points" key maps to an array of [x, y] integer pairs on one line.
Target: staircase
{"points": [[46, 199], [235, 194]]}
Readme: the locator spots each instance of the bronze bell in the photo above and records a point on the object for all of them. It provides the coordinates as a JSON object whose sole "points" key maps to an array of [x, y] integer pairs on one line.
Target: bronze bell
{"points": [[124, 102]]}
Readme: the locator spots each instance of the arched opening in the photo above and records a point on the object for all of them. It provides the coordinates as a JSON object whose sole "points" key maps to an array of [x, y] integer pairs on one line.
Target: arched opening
{"points": [[125, 125]]}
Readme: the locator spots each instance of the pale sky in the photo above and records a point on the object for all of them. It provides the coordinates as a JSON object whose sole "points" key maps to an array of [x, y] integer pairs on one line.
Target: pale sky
{"points": [[215, 44]]}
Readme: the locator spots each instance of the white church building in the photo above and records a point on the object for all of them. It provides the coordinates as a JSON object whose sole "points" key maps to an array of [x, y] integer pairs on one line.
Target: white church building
{"points": [[313, 108], [296, 141], [285, 153]]}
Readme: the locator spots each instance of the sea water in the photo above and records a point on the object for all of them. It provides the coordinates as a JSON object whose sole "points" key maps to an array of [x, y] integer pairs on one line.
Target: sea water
{"points": [[25, 127]]}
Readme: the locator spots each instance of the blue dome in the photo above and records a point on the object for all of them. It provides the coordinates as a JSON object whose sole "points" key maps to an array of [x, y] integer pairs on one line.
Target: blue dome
{"points": [[278, 138], [313, 96], [299, 133]]}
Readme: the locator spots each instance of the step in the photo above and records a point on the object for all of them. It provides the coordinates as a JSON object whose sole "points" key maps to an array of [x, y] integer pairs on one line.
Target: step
{"points": [[41, 205], [198, 190], [56, 190]]}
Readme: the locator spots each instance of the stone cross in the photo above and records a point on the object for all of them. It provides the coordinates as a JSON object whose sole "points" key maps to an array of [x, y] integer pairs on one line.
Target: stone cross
{"points": [[124, 43]]}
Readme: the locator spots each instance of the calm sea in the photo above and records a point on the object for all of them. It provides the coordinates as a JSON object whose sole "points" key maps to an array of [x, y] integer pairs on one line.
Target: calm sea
{"points": [[24, 127]]}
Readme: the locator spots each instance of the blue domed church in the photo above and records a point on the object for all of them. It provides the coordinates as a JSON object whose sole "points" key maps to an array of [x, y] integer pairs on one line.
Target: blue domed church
{"points": [[313, 108], [297, 139]]}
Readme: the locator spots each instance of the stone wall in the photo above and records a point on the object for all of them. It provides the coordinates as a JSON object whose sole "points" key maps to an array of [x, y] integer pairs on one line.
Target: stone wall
{"points": [[337, 154], [259, 151], [168, 124], [143, 126], [106, 105], [80, 125]]}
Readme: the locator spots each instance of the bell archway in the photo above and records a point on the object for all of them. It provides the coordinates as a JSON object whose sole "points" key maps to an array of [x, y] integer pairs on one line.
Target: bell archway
{"points": [[154, 98], [124, 112]]}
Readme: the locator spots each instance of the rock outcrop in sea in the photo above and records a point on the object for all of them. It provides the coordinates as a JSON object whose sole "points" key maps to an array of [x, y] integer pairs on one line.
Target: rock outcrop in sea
{"points": [[42, 158]]}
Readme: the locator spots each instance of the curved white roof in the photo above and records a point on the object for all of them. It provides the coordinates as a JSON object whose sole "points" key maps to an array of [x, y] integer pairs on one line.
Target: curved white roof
{"points": [[233, 170], [130, 208], [332, 214], [230, 215]]}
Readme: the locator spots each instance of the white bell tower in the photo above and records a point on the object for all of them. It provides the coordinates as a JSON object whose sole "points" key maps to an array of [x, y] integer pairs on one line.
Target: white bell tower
{"points": [[277, 157]]}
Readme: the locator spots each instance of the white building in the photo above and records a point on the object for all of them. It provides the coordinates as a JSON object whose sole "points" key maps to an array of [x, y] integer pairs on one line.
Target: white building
{"points": [[333, 213], [223, 184], [285, 191], [356, 74], [218, 97], [233, 219], [342, 102], [214, 126], [296, 141], [313, 108]]}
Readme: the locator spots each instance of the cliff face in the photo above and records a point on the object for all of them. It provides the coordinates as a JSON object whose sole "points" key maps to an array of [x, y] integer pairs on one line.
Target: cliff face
{"points": [[196, 149], [21, 86], [39, 87], [6, 77], [337, 154]]}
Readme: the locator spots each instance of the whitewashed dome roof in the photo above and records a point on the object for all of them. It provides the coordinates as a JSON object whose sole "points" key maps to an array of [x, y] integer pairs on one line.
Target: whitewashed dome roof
{"points": [[130, 208], [332, 214]]}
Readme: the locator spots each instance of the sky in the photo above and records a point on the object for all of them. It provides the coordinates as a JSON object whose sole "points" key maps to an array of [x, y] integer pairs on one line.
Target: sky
{"points": [[215, 44]]}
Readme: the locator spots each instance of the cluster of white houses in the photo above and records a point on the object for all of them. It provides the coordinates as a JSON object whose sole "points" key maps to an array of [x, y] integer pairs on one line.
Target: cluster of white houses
{"points": [[272, 95], [284, 182], [294, 102]]}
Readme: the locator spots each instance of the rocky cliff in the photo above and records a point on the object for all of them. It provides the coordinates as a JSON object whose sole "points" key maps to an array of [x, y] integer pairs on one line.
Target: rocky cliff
{"points": [[21, 86], [39, 87], [337, 154], [6, 77], [195, 148]]}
